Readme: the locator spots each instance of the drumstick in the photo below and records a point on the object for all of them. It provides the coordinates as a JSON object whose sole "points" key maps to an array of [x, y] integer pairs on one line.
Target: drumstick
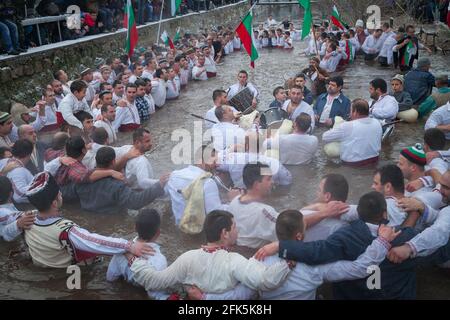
{"points": [[393, 122], [200, 117]]}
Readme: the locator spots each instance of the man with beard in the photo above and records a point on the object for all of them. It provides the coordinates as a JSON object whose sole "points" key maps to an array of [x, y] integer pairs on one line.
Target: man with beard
{"points": [[333, 103], [295, 105], [383, 106]]}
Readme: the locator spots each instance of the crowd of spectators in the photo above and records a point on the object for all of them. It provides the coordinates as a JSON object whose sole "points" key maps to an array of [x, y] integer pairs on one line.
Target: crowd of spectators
{"points": [[96, 17]]}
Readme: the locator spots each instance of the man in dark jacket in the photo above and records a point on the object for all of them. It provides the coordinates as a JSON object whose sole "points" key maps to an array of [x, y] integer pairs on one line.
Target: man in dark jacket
{"points": [[332, 104], [109, 195], [419, 82], [398, 281]]}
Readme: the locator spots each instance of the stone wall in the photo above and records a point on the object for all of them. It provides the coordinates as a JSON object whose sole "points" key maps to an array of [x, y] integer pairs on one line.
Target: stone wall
{"points": [[22, 77]]}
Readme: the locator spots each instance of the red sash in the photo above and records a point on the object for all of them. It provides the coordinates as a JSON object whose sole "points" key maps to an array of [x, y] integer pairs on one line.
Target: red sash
{"points": [[51, 127], [128, 127], [59, 118], [211, 74], [362, 163]]}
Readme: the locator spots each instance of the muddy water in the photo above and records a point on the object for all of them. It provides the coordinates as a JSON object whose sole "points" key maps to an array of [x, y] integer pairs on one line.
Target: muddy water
{"points": [[21, 280]]}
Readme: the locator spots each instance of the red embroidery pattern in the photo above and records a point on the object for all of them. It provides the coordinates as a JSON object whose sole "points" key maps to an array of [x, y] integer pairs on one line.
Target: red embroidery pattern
{"points": [[214, 249], [269, 216], [102, 242]]}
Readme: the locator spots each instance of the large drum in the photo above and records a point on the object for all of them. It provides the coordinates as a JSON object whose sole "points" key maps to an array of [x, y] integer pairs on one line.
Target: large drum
{"points": [[242, 100], [273, 118]]}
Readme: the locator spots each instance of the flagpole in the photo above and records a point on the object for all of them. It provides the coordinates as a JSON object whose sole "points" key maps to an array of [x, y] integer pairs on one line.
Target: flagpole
{"points": [[242, 17], [159, 25]]}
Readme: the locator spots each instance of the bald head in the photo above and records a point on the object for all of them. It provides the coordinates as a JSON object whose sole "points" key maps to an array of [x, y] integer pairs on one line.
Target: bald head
{"points": [[27, 132], [59, 140], [445, 186]]}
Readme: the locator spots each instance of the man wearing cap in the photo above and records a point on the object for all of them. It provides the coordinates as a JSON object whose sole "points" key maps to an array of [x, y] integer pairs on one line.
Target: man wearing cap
{"points": [[9, 132], [419, 82], [403, 97], [6, 126], [361, 34], [23, 115], [73, 103], [437, 99], [56, 242], [412, 162], [87, 75]]}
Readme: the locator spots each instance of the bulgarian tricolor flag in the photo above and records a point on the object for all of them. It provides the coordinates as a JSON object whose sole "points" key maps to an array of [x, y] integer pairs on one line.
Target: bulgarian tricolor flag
{"points": [[409, 52], [166, 39], [175, 6], [177, 35], [130, 25], [245, 32], [307, 17], [336, 19], [349, 50]]}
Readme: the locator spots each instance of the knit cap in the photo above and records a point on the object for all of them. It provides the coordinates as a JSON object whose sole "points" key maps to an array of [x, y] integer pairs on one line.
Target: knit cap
{"points": [[415, 154]]}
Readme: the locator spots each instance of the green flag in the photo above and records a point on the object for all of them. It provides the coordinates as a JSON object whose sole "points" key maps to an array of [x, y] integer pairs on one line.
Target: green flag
{"points": [[307, 18]]}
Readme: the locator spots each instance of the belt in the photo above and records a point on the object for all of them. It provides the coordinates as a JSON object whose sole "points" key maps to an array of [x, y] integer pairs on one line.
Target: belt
{"points": [[51, 127], [129, 127], [362, 162]]}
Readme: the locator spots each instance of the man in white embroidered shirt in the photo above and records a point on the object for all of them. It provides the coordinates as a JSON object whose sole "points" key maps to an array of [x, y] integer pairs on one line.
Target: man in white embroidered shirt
{"points": [[225, 133], [242, 83], [360, 138], [73, 103], [205, 162], [254, 219], [372, 45], [139, 171], [212, 268], [56, 242], [127, 114], [108, 117], [383, 106]]}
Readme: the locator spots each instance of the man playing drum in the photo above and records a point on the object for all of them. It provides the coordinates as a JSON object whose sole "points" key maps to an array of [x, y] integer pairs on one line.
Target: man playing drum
{"points": [[242, 84]]}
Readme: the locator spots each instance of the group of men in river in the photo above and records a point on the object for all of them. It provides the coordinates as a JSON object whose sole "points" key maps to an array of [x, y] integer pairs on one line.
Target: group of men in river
{"points": [[403, 223]]}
